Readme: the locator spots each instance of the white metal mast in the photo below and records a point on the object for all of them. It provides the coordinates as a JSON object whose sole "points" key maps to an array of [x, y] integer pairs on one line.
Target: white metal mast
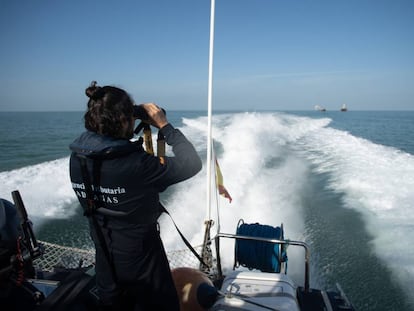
{"points": [[209, 109]]}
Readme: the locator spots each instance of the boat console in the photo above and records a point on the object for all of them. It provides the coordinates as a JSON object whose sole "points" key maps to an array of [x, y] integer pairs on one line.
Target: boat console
{"points": [[255, 289], [247, 290]]}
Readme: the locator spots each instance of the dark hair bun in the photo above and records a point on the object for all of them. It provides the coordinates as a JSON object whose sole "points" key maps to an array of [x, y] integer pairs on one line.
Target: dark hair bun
{"points": [[94, 92]]}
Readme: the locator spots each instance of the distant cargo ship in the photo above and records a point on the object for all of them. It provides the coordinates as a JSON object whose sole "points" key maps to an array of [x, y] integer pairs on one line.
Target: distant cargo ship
{"points": [[319, 108]]}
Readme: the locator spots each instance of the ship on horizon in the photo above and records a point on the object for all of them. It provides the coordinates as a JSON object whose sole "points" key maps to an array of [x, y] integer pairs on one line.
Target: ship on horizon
{"points": [[319, 108]]}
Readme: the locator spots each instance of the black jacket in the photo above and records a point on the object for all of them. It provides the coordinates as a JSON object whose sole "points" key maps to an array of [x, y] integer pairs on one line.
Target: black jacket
{"points": [[125, 178], [130, 179]]}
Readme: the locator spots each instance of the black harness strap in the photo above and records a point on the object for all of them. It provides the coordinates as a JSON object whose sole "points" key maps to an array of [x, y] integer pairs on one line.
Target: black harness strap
{"points": [[91, 207], [184, 239]]}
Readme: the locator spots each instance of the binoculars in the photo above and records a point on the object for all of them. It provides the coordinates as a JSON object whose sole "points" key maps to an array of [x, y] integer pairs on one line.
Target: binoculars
{"points": [[141, 113]]}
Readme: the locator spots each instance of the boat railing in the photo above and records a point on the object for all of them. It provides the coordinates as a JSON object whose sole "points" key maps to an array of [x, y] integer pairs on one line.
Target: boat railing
{"points": [[274, 241]]}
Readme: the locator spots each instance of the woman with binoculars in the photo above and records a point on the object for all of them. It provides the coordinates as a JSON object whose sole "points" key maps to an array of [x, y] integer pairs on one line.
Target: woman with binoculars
{"points": [[118, 185]]}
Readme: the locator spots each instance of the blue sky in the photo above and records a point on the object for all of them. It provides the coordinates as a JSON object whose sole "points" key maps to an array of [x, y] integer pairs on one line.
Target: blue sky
{"points": [[269, 54]]}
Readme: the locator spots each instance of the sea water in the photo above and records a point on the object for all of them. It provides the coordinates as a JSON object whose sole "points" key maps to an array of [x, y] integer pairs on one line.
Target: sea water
{"points": [[341, 181]]}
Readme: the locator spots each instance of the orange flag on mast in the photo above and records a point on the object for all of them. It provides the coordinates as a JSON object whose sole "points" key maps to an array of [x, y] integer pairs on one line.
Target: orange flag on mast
{"points": [[219, 179]]}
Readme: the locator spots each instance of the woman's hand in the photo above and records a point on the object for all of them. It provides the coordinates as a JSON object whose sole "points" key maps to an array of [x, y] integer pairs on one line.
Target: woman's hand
{"points": [[156, 115]]}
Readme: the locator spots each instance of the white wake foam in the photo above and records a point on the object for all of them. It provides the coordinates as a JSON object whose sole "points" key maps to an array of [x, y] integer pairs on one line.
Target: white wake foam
{"points": [[45, 188], [378, 182], [260, 173]]}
